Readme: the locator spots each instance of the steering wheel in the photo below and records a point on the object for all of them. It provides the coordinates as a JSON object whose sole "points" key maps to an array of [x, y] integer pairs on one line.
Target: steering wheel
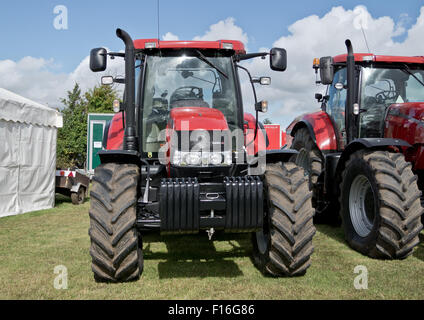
{"points": [[384, 95], [187, 93]]}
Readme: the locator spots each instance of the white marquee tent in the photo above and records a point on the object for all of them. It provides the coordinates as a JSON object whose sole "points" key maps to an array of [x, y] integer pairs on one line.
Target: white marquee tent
{"points": [[28, 132]]}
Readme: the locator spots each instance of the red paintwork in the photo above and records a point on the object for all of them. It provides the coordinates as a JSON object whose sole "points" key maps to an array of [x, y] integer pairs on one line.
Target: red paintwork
{"points": [[408, 126], [194, 118], [380, 58], [115, 137], [323, 128], [273, 133], [283, 138], [253, 148], [238, 46]]}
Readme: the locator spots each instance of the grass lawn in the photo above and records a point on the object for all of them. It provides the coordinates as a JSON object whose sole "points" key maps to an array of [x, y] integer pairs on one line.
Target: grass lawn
{"points": [[186, 267]]}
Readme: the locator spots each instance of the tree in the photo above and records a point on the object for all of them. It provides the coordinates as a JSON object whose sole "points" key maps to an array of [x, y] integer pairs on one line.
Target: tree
{"points": [[72, 138], [267, 121], [100, 99]]}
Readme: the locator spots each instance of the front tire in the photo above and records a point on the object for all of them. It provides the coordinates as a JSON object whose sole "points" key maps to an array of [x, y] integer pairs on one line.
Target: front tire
{"points": [[380, 204], [116, 247], [284, 246]]}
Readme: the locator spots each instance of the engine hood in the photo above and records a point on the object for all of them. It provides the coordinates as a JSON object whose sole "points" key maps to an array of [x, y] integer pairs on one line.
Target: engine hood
{"points": [[409, 109], [197, 118]]}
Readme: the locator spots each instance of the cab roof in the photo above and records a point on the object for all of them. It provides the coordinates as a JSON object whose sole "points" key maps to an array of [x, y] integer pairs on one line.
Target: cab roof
{"points": [[235, 45], [380, 58]]}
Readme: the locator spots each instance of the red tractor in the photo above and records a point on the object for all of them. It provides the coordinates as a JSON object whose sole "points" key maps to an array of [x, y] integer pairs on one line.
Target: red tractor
{"points": [[181, 157], [364, 150]]}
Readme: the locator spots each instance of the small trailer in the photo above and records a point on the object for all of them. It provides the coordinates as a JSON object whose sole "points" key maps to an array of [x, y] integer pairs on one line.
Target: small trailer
{"points": [[72, 183]]}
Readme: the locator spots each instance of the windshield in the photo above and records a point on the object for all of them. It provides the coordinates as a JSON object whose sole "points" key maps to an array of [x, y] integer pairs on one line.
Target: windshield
{"points": [[180, 79], [382, 87], [388, 86]]}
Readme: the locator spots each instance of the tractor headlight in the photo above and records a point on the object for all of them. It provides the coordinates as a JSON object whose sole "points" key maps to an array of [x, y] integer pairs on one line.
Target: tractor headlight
{"points": [[201, 158], [228, 158], [216, 158], [193, 158]]}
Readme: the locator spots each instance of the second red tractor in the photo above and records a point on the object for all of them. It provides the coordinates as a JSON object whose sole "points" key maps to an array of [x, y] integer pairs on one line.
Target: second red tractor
{"points": [[364, 150]]}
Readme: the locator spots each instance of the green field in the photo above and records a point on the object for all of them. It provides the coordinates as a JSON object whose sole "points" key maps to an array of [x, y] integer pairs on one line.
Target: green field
{"points": [[186, 267]]}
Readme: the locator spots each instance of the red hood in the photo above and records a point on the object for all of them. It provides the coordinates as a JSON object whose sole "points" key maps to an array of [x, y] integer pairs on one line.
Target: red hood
{"points": [[195, 118], [411, 109]]}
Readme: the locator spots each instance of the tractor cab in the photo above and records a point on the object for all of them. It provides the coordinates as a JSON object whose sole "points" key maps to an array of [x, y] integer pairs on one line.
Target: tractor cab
{"points": [[178, 83], [383, 86], [187, 86]]}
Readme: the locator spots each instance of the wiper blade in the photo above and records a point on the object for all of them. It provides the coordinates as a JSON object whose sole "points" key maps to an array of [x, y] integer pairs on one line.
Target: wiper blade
{"points": [[406, 69], [207, 61]]}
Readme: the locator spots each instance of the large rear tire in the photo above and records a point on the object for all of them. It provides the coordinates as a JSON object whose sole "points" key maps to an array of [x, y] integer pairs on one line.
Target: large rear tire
{"points": [[284, 246], [116, 247], [380, 204]]}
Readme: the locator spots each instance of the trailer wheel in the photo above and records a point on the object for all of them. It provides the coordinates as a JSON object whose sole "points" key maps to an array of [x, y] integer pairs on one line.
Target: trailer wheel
{"points": [[116, 247], [380, 204], [78, 197], [284, 246]]}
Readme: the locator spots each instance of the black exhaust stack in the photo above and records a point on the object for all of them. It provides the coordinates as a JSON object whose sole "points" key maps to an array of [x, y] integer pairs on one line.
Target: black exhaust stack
{"points": [[350, 118], [130, 134]]}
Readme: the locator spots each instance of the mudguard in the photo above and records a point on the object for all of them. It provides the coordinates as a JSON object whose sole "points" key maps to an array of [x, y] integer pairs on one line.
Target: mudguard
{"points": [[76, 187], [320, 128], [115, 133], [368, 143]]}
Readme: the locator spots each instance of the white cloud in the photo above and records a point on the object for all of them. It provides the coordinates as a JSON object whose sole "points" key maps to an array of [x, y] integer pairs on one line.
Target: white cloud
{"points": [[34, 78], [290, 94], [225, 30], [169, 36]]}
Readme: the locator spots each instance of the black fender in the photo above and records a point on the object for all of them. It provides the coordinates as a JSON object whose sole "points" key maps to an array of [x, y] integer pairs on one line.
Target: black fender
{"points": [[304, 124], [358, 144], [280, 155], [119, 156], [106, 134]]}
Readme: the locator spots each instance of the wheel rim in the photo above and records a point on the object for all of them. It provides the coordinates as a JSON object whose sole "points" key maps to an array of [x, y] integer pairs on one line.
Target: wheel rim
{"points": [[302, 160], [361, 206]]}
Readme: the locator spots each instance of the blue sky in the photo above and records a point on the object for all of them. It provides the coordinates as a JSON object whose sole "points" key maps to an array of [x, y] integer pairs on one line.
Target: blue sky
{"points": [[26, 27], [42, 63]]}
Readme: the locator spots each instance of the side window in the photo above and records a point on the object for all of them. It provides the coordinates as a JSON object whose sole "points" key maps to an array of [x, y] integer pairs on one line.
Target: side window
{"points": [[414, 89], [337, 103]]}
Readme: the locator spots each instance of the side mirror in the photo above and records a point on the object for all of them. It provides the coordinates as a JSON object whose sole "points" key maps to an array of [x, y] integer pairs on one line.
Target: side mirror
{"points": [[278, 59], [98, 59], [326, 69]]}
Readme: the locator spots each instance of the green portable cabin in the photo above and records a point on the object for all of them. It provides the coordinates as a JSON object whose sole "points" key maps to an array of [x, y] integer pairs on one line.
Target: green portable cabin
{"points": [[96, 125]]}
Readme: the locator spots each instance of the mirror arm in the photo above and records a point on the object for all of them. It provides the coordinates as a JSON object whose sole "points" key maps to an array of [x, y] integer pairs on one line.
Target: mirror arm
{"points": [[256, 101], [246, 56]]}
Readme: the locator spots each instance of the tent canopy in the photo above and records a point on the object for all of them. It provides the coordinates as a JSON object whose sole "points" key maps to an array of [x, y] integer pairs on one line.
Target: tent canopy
{"points": [[28, 132], [19, 109]]}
